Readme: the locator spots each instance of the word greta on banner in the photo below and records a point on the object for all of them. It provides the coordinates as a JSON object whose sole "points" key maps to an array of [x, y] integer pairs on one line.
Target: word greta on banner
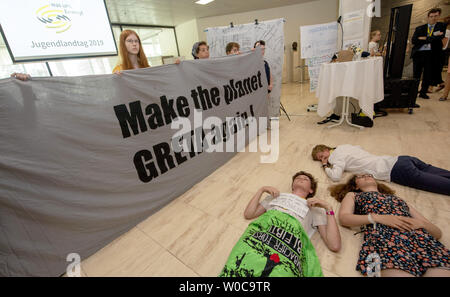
{"points": [[209, 135]]}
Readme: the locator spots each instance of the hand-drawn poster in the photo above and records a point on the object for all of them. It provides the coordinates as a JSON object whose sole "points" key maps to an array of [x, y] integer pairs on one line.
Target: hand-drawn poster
{"points": [[272, 32]]}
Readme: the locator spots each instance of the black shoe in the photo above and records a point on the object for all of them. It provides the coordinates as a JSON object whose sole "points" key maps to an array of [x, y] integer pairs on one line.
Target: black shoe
{"points": [[416, 105], [424, 96], [332, 118]]}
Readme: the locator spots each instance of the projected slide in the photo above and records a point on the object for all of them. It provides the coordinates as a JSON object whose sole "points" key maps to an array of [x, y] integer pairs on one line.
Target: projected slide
{"points": [[53, 29]]}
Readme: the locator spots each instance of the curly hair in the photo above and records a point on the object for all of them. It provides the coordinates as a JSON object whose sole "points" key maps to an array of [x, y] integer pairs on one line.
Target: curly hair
{"points": [[311, 178], [230, 46], [339, 191]]}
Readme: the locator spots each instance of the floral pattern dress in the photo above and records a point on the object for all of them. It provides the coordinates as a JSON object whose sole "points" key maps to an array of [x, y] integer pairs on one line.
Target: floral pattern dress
{"points": [[413, 251]]}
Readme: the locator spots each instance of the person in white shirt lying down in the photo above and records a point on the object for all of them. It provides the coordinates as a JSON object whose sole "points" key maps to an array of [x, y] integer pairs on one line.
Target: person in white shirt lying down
{"points": [[277, 242], [404, 170]]}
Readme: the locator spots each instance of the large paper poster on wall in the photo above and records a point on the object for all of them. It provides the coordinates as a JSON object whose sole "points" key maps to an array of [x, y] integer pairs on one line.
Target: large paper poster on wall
{"points": [[318, 44], [272, 32], [54, 29]]}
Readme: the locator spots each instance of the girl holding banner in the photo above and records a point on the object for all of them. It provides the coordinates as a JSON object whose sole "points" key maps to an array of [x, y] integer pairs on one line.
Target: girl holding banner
{"points": [[131, 53]]}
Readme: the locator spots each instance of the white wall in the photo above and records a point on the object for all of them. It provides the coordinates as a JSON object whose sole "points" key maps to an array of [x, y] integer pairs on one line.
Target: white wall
{"points": [[310, 13], [187, 35], [168, 43]]}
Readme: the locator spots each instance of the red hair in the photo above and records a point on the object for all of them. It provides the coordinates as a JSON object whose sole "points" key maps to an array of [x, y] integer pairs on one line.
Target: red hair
{"points": [[123, 52]]}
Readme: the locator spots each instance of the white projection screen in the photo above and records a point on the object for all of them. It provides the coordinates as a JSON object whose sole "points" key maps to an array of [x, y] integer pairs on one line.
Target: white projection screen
{"points": [[36, 30]]}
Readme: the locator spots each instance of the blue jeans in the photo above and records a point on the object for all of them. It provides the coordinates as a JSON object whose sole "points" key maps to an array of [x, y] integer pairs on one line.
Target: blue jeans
{"points": [[412, 172]]}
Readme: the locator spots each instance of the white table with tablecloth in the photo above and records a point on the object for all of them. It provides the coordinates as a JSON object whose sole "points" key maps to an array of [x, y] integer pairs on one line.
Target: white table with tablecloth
{"points": [[362, 80]]}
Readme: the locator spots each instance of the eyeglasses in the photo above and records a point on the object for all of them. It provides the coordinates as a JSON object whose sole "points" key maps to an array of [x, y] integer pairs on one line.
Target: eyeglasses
{"points": [[132, 41], [363, 175]]}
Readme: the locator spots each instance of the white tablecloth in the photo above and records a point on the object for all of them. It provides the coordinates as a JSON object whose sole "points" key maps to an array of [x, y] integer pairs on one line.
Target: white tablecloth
{"points": [[362, 80]]}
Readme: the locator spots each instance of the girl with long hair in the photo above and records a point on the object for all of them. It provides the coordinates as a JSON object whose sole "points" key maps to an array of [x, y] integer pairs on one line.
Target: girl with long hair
{"points": [[405, 241], [131, 53]]}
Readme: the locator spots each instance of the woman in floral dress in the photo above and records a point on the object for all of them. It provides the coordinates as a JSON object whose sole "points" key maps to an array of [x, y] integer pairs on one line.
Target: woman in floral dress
{"points": [[404, 241]]}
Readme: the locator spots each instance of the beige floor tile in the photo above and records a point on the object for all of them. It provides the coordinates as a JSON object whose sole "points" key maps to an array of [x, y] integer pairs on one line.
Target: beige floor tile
{"points": [[134, 254]]}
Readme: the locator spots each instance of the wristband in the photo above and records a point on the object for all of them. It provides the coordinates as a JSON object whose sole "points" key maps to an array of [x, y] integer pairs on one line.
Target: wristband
{"points": [[330, 213], [372, 221]]}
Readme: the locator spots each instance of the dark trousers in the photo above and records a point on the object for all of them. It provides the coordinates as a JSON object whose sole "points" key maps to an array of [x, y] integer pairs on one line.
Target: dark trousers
{"points": [[412, 172], [438, 65], [423, 63]]}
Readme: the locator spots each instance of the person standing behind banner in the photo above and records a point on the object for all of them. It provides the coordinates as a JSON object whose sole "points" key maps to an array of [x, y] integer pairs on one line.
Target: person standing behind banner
{"points": [[262, 45], [232, 48], [131, 53], [427, 40], [200, 50]]}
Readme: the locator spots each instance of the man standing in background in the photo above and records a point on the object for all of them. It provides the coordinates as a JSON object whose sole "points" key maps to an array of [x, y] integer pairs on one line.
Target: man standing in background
{"points": [[427, 41]]}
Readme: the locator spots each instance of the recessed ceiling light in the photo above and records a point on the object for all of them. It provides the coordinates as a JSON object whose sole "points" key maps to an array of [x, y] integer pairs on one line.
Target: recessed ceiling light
{"points": [[204, 2]]}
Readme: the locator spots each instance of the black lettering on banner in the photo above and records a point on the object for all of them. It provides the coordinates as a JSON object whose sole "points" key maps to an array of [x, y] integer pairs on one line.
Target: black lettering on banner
{"points": [[240, 88], [204, 98], [254, 82], [163, 157], [228, 94], [167, 107], [215, 96], [180, 158], [259, 79], [133, 119], [155, 118], [146, 170], [247, 87], [150, 164], [183, 107]]}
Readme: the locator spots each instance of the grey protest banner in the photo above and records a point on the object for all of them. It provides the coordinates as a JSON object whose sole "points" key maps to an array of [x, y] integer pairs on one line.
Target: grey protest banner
{"points": [[84, 159]]}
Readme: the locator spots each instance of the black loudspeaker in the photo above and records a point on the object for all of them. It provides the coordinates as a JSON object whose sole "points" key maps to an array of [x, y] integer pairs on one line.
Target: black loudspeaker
{"points": [[397, 39], [399, 93]]}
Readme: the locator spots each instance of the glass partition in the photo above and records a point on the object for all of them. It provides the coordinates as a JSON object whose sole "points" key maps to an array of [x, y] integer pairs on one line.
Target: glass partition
{"points": [[158, 43]]}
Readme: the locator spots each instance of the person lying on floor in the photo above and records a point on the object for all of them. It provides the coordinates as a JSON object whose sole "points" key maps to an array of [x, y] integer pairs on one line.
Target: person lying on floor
{"points": [[277, 242], [403, 240], [404, 170]]}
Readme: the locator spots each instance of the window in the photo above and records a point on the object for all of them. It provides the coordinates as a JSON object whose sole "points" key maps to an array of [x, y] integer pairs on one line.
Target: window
{"points": [[158, 42]]}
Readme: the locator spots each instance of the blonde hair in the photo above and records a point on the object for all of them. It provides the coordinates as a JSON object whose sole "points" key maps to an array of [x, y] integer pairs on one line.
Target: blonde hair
{"points": [[373, 33], [319, 148]]}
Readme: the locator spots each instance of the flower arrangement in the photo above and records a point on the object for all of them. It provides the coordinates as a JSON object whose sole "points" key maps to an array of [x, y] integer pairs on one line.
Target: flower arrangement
{"points": [[356, 50]]}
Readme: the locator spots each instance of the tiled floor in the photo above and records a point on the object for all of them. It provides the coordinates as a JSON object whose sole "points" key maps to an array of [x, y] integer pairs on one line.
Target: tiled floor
{"points": [[193, 235]]}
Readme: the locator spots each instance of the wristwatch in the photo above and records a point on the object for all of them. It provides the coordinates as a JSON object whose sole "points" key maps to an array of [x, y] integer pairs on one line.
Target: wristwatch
{"points": [[330, 213]]}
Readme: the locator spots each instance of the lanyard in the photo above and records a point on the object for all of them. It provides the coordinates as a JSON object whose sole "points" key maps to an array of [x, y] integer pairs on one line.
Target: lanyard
{"points": [[430, 33]]}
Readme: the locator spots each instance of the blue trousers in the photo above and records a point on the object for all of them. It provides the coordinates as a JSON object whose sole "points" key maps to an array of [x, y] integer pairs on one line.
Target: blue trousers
{"points": [[412, 172]]}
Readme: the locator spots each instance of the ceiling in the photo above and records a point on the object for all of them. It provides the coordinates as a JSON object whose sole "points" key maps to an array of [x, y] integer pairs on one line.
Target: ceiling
{"points": [[175, 12]]}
